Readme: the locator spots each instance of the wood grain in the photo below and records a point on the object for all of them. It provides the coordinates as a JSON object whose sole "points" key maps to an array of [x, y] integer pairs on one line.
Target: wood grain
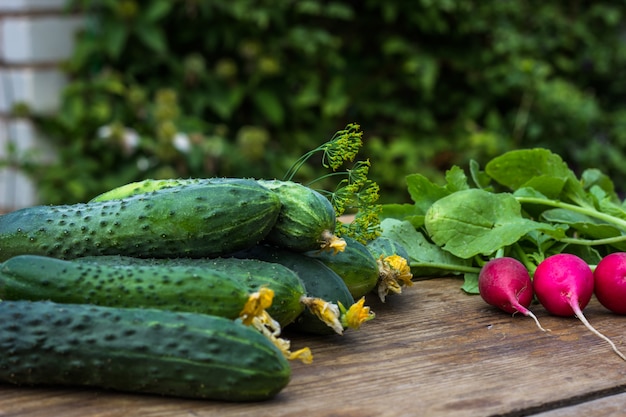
{"points": [[610, 406], [432, 351]]}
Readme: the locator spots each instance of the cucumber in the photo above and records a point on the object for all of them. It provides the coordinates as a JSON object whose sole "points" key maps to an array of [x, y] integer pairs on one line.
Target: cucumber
{"points": [[138, 350], [169, 287], [190, 220], [253, 274], [320, 282], [306, 221], [355, 265], [393, 266], [148, 185]]}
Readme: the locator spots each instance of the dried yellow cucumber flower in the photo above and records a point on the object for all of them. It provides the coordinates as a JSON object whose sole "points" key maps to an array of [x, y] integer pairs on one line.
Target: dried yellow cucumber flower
{"points": [[327, 312], [356, 315], [270, 328], [256, 305], [332, 242], [394, 272]]}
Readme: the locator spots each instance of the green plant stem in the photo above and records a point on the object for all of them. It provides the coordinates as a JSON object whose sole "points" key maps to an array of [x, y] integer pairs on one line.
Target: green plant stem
{"points": [[446, 267], [591, 213], [523, 258], [593, 242], [298, 164]]}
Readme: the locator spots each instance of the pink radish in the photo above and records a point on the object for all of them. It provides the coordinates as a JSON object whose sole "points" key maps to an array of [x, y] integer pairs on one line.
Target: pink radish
{"points": [[564, 285], [610, 282], [505, 283]]}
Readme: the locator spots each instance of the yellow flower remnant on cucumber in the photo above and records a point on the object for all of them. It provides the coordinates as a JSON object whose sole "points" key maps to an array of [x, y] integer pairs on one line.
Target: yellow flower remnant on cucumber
{"points": [[356, 315], [332, 242], [394, 273], [271, 329], [256, 305], [327, 312], [337, 316]]}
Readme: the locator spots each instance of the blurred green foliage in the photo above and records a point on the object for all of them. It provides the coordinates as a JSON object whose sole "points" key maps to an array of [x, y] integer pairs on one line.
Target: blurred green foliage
{"points": [[177, 88]]}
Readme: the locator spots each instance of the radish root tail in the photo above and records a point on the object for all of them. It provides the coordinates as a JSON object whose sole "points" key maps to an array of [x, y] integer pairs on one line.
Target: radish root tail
{"points": [[531, 315], [582, 318]]}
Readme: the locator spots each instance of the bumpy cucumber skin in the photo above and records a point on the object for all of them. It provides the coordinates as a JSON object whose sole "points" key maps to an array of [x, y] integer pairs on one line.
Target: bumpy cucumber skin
{"points": [[304, 217], [384, 246], [149, 185], [355, 265], [251, 273], [319, 281], [168, 287], [254, 273], [138, 350], [191, 220]]}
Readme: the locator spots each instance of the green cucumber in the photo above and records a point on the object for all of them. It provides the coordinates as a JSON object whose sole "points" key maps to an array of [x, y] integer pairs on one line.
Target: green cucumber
{"points": [[287, 286], [148, 185], [169, 287], [355, 265], [319, 281], [253, 274], [306, 221], [138, 350], [191, 220]]}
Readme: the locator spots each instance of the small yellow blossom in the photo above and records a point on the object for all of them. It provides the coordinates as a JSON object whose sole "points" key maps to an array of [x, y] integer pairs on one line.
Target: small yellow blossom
{"points": [[401, 269], [270, 328], [304, 355], [256, 305], [394, 272], [332, 242], [328, 313], [356, 315]]}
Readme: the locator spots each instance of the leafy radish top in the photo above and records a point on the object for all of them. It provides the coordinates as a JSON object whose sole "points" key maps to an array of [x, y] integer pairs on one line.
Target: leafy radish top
{"points": [[525, 203]]}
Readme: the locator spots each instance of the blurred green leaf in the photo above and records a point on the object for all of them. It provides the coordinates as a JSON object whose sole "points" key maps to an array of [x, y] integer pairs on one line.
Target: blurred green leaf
{"points": [[153, 37], [269, 105], [157, 9]]}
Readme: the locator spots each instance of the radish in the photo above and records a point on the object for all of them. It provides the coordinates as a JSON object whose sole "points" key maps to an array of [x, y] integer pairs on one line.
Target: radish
{"points": [[505, 283], [564, 285], [610, 282]]}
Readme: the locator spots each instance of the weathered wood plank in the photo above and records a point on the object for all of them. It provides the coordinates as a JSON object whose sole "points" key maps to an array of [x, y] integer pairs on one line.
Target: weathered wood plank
{"points": [[610, 406], [433, 351]]}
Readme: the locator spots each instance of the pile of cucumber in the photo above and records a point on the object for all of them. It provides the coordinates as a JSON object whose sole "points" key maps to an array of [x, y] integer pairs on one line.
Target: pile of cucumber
{"points": [[180, 287]]}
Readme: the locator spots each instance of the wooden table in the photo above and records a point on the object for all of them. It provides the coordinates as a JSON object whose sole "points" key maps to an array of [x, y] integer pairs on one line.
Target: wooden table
{"points": [[432, 351]]}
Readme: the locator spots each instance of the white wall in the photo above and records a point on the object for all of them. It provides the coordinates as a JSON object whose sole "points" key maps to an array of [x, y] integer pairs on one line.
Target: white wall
{"points": [[35, 36]]}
